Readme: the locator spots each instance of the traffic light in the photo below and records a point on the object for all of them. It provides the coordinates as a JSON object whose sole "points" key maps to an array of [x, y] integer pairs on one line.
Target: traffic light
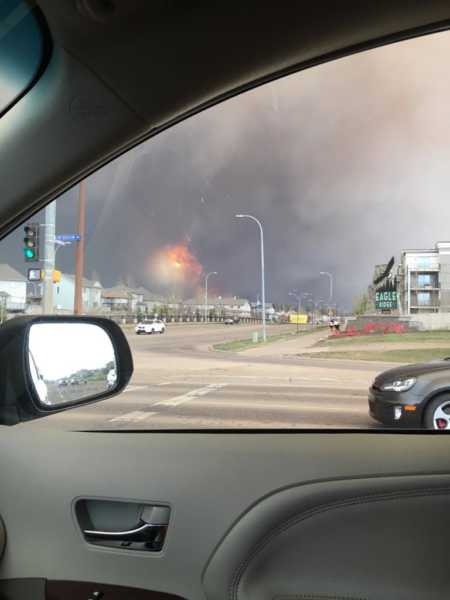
{"points": [[31, 242]]}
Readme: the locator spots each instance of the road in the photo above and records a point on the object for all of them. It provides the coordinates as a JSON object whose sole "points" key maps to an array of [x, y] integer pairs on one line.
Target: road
{"points": [[181, 383]]}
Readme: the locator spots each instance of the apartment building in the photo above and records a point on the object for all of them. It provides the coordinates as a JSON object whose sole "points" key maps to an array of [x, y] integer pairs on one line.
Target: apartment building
{"points": [[424, 280]]}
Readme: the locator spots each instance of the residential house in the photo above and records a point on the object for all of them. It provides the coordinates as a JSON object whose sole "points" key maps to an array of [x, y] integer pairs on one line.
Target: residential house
{"points": [[13, 286], [64, 294], [122, 298], [256, 308], [238, 306], [150, 301]]}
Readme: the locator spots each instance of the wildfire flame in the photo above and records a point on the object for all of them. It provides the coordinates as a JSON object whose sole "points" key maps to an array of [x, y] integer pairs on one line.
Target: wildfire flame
{"points": [[175, 265]]}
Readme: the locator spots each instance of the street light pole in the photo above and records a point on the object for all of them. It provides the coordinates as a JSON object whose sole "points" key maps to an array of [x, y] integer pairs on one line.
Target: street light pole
{"points": [[330, 276], [263, 283], [298, 306], [206, 293]]}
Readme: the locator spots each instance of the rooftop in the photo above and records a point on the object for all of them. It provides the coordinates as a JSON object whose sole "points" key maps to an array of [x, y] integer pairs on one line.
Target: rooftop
{"points": [[7, 273], [87, 283]]}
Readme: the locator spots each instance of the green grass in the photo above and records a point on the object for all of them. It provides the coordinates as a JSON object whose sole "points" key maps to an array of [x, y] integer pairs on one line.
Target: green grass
{"points": [[238, 345], [375, 338], [401, 356]]}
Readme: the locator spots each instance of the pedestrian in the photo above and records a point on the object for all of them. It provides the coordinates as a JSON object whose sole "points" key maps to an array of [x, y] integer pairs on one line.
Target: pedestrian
{"points": [[331, 325]]}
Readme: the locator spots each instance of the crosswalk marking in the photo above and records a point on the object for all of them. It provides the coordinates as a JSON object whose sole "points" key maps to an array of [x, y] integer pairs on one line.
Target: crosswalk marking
{"points": [[212, 387], [298, 406], [135, 388], [132, 417]]}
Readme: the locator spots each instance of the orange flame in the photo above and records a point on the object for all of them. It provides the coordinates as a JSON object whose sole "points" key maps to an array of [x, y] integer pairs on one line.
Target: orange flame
{"points": [[175, 264]]}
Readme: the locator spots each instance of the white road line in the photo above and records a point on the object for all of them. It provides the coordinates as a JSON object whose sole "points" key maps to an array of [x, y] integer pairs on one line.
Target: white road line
{"points": [[298, 379], [135, 388], [283, 406], [166, 383], [212, 387], [132, 417]]}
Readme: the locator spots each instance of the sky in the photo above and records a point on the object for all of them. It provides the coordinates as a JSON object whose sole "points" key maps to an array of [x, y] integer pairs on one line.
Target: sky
{"points": [[345, 164]]}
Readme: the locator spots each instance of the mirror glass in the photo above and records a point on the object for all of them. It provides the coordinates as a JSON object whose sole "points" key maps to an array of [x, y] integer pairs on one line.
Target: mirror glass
{"points": [[70, 362]]}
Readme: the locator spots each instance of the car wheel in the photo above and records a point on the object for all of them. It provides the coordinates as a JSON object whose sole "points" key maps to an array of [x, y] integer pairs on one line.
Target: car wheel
{"points": [[437, 413], [162, 331]]}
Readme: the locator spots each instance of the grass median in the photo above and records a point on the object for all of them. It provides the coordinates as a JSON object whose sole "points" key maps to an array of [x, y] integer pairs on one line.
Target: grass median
{"points": [[239, 345], [400, 356], [376, 338]]}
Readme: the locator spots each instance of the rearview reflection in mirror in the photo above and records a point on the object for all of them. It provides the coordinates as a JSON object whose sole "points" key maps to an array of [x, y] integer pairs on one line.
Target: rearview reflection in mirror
{"points": [[70, 362]]}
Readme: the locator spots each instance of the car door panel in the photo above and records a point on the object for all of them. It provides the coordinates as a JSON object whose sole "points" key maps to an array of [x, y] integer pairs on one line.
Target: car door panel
{"points": [[40, 589], [211, 481], [380, 538]]}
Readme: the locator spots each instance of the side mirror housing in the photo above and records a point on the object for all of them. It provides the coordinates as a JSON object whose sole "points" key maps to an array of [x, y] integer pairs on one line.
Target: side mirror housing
{"points": [[52, 363]]}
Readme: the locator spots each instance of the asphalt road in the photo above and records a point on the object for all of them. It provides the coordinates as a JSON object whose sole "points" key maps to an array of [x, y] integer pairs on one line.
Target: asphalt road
{"points": [[180, 383]]}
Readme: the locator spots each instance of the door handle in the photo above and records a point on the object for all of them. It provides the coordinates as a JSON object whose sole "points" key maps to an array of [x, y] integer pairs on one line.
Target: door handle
{"points": [[143, 532], [149, 533]]}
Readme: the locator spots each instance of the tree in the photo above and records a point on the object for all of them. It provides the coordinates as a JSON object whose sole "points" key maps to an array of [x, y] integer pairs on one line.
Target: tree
{"points": [[360, 305]]}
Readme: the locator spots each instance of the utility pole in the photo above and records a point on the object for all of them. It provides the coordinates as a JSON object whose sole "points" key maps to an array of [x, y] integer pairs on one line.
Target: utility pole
{"points": [[298, 306], [79, 254], [49, 257], [206, 293]]}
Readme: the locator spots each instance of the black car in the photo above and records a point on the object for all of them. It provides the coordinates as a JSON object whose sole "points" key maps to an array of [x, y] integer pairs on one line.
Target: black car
{"points": [[413, 396]]}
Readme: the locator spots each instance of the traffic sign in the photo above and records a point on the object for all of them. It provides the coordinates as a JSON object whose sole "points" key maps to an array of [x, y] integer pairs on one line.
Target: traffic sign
{"points": [[69, 237]]}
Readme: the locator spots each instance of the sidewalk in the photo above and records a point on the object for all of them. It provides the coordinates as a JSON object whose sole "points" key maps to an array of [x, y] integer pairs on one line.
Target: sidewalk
{"points": [[299, 345]]}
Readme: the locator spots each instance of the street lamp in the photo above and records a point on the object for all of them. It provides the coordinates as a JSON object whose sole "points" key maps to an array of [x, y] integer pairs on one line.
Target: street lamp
{"points": [[330, 276], [60, 244], [206, 293], [263, 285], [299, 299]]}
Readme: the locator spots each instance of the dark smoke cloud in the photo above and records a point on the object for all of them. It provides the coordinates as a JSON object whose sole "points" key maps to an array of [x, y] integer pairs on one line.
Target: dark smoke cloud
{"points": [[346, 164]]}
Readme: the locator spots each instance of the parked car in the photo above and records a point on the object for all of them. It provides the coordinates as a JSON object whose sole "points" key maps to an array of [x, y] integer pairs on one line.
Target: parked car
{"points": [[155, 326], [413, 396], [229, 321]]}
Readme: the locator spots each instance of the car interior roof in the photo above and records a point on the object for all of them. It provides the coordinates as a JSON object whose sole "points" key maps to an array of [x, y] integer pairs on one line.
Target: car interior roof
{"points": [[123, 70]]}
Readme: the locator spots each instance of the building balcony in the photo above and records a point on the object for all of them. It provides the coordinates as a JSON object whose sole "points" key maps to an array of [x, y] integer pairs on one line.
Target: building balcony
{"points": [[421, 270]]}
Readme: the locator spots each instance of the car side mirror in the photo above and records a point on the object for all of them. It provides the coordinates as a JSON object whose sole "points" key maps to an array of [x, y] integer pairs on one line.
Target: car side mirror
{"points": [[52, 363]]}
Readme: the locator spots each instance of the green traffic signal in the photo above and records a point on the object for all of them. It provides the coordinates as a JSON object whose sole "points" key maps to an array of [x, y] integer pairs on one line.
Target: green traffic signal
{"points": [[31, 242]]}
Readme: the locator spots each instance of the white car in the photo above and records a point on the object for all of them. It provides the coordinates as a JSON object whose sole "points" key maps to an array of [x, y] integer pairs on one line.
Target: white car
{"points": [[111, 377], [155, 326]]}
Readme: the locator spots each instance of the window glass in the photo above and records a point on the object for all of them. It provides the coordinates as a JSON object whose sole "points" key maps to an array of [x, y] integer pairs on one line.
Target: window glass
{"points": [[423, 299], [338, 176], [424, 279], [22, 50], [424, 262]]}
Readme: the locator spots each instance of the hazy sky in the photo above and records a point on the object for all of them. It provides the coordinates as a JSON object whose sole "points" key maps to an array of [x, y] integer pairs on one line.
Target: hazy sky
{"points": [[345, 164]]}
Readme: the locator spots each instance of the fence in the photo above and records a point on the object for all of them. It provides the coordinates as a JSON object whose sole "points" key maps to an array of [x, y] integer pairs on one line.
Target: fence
{"points": [[126, 319]]}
